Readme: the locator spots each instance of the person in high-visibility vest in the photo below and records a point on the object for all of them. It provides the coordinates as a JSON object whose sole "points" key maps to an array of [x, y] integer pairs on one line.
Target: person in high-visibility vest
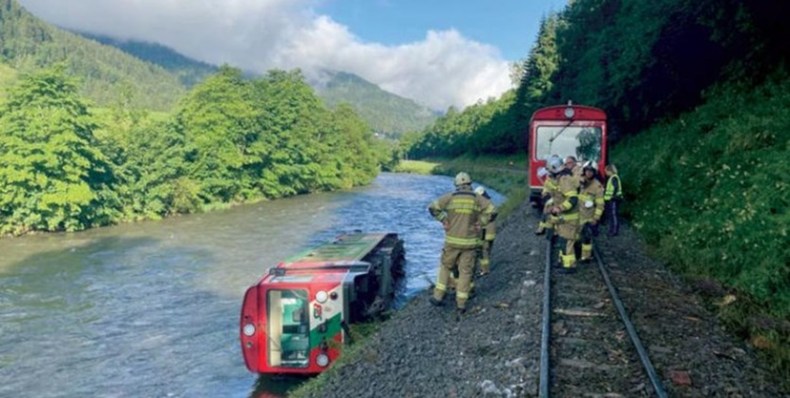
{"points": [[591, 208], [613, 195], [462, 213], [487, 236]]}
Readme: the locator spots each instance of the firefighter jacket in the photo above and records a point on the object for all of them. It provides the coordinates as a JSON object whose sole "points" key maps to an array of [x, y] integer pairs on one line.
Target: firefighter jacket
{"points": [[591, 201], [463, 214], [549, 186], [614, 190], [567, 196]]}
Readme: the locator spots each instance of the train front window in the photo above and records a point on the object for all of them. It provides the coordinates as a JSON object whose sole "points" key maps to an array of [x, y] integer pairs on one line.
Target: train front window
{"points": [[582, 142], [288, 328]]}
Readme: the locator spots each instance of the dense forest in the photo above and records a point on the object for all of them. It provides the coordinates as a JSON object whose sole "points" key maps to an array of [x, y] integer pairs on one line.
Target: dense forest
{"points": [[698, 99], [67, 166]]}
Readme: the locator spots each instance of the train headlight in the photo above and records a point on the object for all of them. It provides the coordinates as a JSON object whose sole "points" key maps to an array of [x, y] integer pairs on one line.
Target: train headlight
{"points": [[569, 113], [248, 329], [322, 360], [321, 296]]}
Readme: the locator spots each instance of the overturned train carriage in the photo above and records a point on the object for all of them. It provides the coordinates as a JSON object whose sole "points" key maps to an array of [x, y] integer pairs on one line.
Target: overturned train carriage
{"points": [[295, 319]]}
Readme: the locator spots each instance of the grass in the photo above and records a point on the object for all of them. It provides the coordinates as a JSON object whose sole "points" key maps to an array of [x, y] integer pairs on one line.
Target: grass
{"points": [[415, 167], [505, 174]]}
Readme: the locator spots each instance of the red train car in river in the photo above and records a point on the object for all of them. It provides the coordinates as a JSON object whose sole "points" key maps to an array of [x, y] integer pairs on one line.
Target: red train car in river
{"points": [[295, 319], [565, 130]]}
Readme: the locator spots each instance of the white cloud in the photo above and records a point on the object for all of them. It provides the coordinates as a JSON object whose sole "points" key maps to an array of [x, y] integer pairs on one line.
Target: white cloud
{"points": [[443, 69]]}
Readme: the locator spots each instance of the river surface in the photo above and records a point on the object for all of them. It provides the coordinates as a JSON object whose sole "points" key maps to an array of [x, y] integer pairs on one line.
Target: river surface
{"points": [[151, 309]]}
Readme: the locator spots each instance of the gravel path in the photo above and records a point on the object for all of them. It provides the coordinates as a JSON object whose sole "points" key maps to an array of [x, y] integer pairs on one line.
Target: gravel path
{"points": [[494, 350]]}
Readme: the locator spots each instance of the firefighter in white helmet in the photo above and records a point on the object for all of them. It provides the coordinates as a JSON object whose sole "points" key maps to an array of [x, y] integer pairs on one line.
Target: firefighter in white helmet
{"points": [[550, 193], [487, 236], [462, 213]]}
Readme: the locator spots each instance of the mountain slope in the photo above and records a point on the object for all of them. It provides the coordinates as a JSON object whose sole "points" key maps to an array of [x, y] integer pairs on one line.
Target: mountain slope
{"points": [[385, 112], [108, 74], [188, 70]]}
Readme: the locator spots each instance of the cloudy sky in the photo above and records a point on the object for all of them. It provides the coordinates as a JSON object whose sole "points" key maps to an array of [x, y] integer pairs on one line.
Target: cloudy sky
{"points": [[436, 52]]}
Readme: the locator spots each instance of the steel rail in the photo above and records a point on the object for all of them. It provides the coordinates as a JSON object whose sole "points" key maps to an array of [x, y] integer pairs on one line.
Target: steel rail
{"points": [[546, 334], [658, 387]]}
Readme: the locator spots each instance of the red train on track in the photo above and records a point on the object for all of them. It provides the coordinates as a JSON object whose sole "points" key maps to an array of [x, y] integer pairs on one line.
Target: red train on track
{"points": [[565, 130], [296, 318]]}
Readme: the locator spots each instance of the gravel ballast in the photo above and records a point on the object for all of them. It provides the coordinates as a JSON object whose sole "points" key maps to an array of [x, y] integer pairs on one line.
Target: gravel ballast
{"points": [[494, 349]]}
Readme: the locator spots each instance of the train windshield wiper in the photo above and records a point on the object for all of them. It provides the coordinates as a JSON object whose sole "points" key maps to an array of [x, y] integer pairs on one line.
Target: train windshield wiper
{"points": [[554, 137]]}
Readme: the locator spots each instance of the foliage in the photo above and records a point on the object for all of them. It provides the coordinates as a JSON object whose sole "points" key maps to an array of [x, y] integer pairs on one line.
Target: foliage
{"points": [[479, 128], [713, 194], [52, 176], [64, 167]]}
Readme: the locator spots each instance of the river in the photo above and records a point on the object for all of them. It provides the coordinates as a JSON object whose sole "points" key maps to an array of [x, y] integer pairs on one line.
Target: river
{"points": [[150, 309]]}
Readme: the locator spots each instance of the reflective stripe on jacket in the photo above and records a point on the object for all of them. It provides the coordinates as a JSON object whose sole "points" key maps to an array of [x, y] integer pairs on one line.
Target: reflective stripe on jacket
{"points": [[465, 214], [591, 192], [569, 195]]}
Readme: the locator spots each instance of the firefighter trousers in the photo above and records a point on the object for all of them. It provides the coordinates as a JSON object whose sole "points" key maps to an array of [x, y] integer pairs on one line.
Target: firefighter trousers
{"points": [[464, 260]]}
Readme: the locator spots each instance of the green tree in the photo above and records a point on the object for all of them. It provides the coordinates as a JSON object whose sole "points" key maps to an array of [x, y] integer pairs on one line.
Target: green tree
{"points": [[52, 176], [217, 120]]}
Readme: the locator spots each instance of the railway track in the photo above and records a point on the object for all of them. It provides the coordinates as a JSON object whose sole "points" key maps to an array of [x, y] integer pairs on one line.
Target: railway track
{"points": [[589, 346]]}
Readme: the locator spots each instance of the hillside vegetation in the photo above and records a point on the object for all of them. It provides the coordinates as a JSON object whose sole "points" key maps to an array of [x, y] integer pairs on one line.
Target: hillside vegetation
{"points": [[386, 113], [189, 71], [67, 166], [108, 75], [697, 95]]}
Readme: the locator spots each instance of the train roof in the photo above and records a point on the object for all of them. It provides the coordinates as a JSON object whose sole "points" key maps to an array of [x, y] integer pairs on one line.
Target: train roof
{"points": [[330, 261], [581, 112], [346, 248]]}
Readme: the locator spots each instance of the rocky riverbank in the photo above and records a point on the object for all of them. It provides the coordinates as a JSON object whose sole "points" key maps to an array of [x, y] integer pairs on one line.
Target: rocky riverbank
{"points": [[494, 349]]}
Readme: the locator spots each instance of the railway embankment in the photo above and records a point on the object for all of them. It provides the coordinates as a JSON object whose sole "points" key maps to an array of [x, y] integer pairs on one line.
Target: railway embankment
{"points": [[494, 350]]}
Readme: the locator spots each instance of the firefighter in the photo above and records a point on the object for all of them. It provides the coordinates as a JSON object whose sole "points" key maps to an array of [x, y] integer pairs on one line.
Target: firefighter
{"points": [[565, 208], [462, 213], [613, 195], [487, 236], [591, 208], [550, 191]]}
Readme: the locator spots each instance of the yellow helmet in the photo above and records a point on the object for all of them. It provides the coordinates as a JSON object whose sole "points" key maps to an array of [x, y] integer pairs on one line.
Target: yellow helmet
{"points": [[462, 178]]}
